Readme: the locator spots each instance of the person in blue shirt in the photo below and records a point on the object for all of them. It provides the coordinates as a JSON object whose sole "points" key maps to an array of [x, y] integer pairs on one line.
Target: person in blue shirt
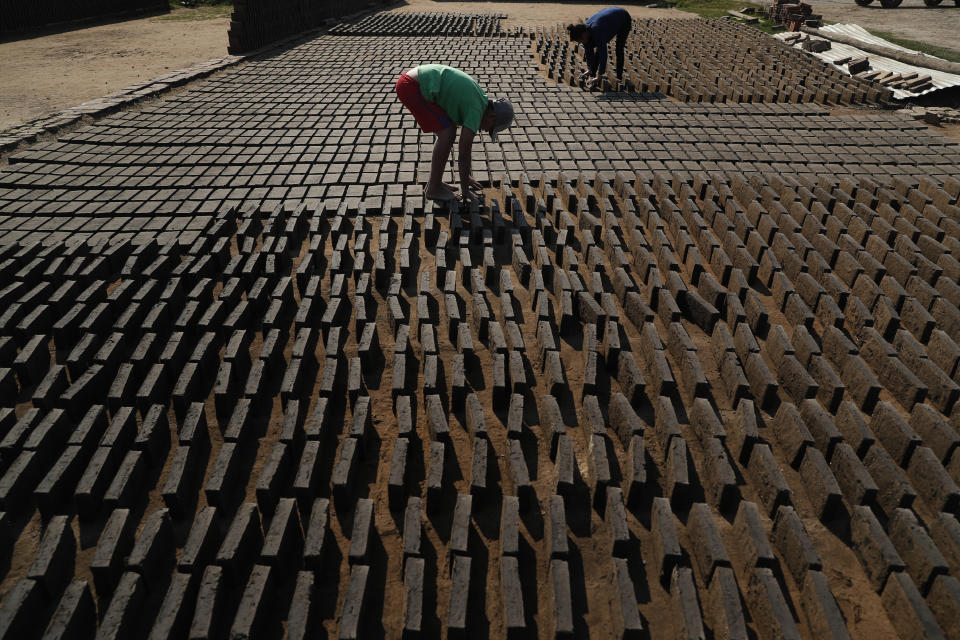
{"points": [[595, 34]]}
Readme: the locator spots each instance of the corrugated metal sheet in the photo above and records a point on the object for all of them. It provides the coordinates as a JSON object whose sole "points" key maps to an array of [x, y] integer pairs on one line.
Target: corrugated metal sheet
{"points": [[938, 79]]}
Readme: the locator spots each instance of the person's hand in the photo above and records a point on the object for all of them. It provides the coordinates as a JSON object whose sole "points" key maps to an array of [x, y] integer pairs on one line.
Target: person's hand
{"points": [[584, 76], [593, 82]]}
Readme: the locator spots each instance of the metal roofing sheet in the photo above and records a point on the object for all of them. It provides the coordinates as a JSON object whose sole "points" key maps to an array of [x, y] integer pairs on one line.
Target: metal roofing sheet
{"points": [[838, 50]]}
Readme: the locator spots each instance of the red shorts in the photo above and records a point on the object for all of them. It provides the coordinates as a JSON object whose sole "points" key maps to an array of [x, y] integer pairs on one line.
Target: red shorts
{"points": [[430, 116]]}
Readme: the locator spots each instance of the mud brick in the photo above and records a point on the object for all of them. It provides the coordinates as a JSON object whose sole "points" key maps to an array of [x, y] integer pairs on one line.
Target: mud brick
{"points": [[509, 526], [773, 489], [820, 484], [591, 416], [316, 534], [515, 416], [623, 419], [666, 545], [275, 476], [17, 434], [922, 557], [122, 616], [860, 383], [768, 605], [708, 550], [944, 601], [155, 548], [821, 426], [75, 615], [33, 360], [127, 481], [23, 600], [53, 563], [54, 490], [556, 528], [749, 530], [458, 616], [853, 478], [687, 609], [344, 475], [792, 433], [414, 569], [412, 529], [176, 610], [935, 432], [743, 431], [704, 421], [434, 480], [202, 542], [894, 433], [636, 310], [934, 485], [942, 392], [368, 346], [560, 623], [362, 533], [48, 436], [116, 541], [221, 488], [876, 552], [778, 345], [720, 481], [795, 380], [944, 352], [615, 517], [762, 383], [396, 486], [241, 544], [917, 320], [906, 609], [225, 388], [474, 417]]}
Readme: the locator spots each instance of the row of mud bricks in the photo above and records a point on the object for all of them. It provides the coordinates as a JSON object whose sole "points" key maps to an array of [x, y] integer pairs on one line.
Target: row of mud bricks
{"points": [[309, 391], [710, 61]]}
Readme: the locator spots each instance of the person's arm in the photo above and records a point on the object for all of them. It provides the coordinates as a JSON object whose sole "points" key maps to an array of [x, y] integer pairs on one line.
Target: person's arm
{"points": [[464, 153], [601, 59], [591, 56]]}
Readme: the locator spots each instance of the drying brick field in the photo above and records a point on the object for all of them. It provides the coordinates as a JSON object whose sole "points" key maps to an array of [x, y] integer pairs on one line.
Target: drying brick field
{"points": [[689, 369]]}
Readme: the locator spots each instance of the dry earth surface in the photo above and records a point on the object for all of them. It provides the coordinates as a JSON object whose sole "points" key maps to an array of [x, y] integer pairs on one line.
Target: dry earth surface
{"points": [[912, 19], [47, 73]]}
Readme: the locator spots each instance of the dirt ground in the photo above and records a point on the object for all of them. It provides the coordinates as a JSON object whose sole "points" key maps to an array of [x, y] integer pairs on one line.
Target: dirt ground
{"points": [[912, 19], [47, 73]]}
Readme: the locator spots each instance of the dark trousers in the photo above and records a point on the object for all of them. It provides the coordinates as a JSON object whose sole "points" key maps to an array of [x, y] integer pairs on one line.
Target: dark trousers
{"points": [[621, 43]]}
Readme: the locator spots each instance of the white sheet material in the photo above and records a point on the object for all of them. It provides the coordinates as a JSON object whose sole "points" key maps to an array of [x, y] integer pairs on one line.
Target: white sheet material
{"points": [[938, 79]]}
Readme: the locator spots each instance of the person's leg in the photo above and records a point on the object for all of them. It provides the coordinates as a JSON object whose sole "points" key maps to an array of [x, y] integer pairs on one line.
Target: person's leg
{"points": [[621, 43], [436, 189]]}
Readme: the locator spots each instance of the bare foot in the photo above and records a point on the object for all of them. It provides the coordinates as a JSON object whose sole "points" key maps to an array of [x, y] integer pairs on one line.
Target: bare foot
{"points": [[441, 193], [452, 187]]}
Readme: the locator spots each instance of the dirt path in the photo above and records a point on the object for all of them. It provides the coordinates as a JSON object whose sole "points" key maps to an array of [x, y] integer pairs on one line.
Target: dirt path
{"points": [[912, 19], [42, 75]]}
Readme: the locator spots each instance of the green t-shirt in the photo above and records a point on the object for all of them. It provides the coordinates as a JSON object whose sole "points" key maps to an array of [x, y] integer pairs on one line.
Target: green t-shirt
{"points": [[456, 92]]}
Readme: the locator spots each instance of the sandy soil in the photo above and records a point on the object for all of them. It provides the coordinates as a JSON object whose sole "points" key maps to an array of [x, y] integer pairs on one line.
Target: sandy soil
{"points": [[912, 19], [47, 73]]}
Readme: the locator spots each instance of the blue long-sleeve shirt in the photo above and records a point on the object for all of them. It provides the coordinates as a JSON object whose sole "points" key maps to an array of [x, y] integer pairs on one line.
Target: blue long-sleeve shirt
{"points": [[603, 25]]}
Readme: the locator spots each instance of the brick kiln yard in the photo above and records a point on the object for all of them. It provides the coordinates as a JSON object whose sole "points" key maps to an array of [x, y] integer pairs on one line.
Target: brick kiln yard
{"points": [[690, 369]]}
